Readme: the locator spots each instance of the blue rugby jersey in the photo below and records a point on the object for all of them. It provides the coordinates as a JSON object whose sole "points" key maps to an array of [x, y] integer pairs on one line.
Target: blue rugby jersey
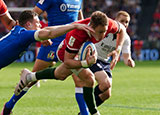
{"points": [[13, 45], [60, 12]]}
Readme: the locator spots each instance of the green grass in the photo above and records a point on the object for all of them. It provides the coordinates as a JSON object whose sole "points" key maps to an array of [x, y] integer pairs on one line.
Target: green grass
{"points": [[135, 92]]}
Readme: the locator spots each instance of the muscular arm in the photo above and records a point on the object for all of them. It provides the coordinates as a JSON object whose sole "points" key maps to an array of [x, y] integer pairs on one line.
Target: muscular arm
{"points": [[120, 40], [70, 62], [80, 15], [116, 53], [55, 31], [7, 21], [37, 10]]}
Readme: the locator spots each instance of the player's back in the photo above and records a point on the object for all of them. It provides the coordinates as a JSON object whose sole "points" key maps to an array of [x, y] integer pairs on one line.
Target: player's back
{"points": [[60, 11], [13, 44]]}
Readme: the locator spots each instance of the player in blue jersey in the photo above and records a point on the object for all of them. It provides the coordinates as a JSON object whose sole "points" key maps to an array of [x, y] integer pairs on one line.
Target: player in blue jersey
{"points": [[59, 12], [21, 36]]}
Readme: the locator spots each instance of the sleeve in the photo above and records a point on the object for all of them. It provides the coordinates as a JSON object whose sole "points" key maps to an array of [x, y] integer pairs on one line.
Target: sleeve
{"points": [[126, 48], [27, 37], [44, 4], [74, 41], [113, 26], [3, 8]]}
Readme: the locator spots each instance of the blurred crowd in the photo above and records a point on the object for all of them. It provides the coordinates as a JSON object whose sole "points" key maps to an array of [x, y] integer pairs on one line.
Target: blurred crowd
{"points": [[154, 35], [110, 7], [20, 3]]}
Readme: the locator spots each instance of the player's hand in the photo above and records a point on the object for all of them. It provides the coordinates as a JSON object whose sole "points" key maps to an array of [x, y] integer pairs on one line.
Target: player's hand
{"points": [[47, 42], [91, 58], [115, 56], [131, 63], [84, 27]]}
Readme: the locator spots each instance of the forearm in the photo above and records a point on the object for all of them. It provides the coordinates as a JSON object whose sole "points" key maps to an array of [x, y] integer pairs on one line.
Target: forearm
{"points": [[120, 39], [56, 31], [72, 64], [80, 15]]}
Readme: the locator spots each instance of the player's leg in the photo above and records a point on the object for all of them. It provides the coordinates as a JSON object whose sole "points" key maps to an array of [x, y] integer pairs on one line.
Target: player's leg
{"points": [[59, 73], [40, 65], [103, 76], [79, 95], [103, 89], [88, 77], [45, 58]]}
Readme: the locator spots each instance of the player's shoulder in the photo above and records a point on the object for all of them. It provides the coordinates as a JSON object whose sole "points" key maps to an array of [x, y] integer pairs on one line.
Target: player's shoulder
{"points": [[80, 33], [113, 26]]}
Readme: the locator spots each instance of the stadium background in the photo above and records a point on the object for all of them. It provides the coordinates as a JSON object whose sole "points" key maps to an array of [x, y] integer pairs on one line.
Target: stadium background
{"points": [[144, 28]]}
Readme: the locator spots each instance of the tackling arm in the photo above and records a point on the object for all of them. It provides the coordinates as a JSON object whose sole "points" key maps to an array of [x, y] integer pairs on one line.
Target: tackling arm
{"points": [[55, 31]]}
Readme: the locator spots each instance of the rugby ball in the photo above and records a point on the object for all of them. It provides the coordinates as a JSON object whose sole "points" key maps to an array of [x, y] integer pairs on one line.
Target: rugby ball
{"points": [[84, 48]]}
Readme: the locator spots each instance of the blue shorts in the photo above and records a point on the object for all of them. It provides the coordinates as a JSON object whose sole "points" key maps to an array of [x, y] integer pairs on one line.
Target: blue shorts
{"points": [[48, 53], [101, 65]]}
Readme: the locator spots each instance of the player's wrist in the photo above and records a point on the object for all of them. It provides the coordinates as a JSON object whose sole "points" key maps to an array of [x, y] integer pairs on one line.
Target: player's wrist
{"points": [[118, 49], [84, 63]]}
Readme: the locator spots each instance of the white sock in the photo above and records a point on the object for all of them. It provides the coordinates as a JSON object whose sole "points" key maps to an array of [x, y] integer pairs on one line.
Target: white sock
{"points": [[31, 77], [78, 90]]}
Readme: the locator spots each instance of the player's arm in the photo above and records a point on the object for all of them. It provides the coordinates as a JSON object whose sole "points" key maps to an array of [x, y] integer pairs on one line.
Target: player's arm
{"points": [[55, 31], [80, 15], [7, 21], [126, 52], [128, 59], [120, 40], [37, 10], [71, 63]]}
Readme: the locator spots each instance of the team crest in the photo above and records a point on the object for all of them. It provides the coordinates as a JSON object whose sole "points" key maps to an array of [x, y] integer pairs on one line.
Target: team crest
{"points": [[51, 54]]}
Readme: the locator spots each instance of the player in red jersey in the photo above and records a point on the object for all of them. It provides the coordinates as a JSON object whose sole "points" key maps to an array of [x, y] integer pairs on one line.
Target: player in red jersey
{"points": [[76, 38], [5, 17], [67, 51]]}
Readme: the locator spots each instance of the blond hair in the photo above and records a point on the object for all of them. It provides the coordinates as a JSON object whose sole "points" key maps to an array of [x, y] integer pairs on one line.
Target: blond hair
{"points": [[124, 13]]}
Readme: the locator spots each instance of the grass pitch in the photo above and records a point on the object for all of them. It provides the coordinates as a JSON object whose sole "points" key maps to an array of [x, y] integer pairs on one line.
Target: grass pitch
{"points": [[135, 91]]}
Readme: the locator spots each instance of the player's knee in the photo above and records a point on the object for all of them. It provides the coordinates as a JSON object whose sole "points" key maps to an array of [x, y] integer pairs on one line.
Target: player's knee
{"points": [[90, 81], [105, 85]]}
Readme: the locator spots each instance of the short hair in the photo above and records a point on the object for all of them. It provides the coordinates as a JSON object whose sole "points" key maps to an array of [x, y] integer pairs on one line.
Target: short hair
{"points": [[25, 16], [124, 13], [98, 18]]}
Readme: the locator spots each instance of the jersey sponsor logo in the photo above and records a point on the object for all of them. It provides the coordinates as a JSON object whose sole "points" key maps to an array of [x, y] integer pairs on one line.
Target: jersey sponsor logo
{"points": [[51, 55], [71, 41], [107, 48], [69, 7]]}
